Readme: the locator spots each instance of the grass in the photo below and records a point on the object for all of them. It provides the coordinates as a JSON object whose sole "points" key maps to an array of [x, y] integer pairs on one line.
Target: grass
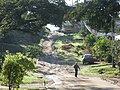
{"points": [[32, 78], [105, 70], [69, 55], [73, 39]]}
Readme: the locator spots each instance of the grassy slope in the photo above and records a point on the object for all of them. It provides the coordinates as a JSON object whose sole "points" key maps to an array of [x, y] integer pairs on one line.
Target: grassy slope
{"points": [[100, 70], [73, 39], [32, 78], [90, 70], [15, 42]]}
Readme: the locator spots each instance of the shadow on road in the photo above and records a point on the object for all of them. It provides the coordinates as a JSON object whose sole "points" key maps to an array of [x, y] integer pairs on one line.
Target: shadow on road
{"points": [[67, 60]]}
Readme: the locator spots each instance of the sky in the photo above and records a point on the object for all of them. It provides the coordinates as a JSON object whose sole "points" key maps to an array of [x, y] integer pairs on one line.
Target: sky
{"points": [[69, 2]]}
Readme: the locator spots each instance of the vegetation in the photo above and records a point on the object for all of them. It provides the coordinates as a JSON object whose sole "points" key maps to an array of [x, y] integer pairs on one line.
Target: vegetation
{"points": [[100, 14], [102, 70], [102, 49], [14, 68], [116, 53], [33, 51], [31, 78], [30, 15], [90, 40], [69, 43], [19, 17]]}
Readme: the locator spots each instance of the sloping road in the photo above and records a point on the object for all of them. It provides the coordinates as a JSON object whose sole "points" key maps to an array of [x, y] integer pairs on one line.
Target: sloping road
{"points": [[62, 75]]}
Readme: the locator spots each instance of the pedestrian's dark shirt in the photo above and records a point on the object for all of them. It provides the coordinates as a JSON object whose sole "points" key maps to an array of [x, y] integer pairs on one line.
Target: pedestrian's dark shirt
{"points": [[76, 66]]}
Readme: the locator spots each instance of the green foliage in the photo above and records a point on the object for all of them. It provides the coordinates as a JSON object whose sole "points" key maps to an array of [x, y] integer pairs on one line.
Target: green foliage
{"points": [[30, 78], [2, 57], [103, 48], [30, 15], [99, 47], [116, 51], [100, 70], [33, 51], [83, 33], [90, 40], [15, 67], [98, 13]]}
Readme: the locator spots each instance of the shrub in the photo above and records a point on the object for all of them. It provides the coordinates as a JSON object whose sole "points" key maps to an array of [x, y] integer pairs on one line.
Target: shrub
{"points": [[14, 69], [33, 51]]}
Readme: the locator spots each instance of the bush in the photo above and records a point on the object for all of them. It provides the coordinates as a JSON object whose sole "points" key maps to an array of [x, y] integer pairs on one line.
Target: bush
{"points": [[14, 69], [33, 51]]}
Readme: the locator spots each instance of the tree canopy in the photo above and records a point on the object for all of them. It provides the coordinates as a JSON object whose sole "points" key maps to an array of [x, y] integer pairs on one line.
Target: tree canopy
{"points": [[100, 14], [30, 15]]}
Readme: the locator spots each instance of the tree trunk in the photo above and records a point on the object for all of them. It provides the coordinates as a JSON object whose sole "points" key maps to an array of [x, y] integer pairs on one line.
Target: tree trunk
{"points": [[113, 63]]}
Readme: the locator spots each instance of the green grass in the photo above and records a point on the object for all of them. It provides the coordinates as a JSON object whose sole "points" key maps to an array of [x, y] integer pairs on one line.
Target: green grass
{"points": [[77, 36], [69, 55], [100, 70], [31, 78], [72, 39]]}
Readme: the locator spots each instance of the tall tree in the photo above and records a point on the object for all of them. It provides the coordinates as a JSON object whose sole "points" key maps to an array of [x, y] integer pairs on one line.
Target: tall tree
{"points": [[100, 14], [29, 15]]}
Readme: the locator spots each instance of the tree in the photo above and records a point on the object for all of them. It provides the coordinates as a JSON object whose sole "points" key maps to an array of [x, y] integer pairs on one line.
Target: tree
{"points": [[103, 48], [98, 13], [90, 40], [29, 15], [14, 69], [116, 52]]}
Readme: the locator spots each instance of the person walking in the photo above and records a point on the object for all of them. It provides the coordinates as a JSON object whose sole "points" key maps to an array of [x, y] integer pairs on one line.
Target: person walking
{"points": [[76, 67]]}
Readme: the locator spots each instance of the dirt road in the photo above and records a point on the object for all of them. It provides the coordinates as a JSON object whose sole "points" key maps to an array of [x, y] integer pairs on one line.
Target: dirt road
{"points": [[62, 75]]}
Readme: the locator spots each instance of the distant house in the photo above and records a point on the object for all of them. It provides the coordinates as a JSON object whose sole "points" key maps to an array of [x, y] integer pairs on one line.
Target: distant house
{"points": [[67, 27]]}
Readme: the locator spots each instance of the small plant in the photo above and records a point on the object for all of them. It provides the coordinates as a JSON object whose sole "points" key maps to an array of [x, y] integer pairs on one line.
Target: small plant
{"points": [[14, 68]]}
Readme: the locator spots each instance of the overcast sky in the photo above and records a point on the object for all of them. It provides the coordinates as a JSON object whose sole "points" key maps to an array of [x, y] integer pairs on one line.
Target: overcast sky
{"points": [[69, 2]]}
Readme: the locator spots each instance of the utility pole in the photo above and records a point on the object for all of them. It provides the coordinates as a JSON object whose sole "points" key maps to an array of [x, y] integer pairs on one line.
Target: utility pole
{"points": [[113, 31]]}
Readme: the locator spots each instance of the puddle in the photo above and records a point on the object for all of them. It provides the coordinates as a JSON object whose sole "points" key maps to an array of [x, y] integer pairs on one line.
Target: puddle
{"points": [[54, 78]]}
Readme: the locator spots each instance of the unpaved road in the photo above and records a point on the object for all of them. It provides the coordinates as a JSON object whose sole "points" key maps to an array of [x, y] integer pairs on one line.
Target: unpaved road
{"points": [[62, 75], [63, 79]]}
